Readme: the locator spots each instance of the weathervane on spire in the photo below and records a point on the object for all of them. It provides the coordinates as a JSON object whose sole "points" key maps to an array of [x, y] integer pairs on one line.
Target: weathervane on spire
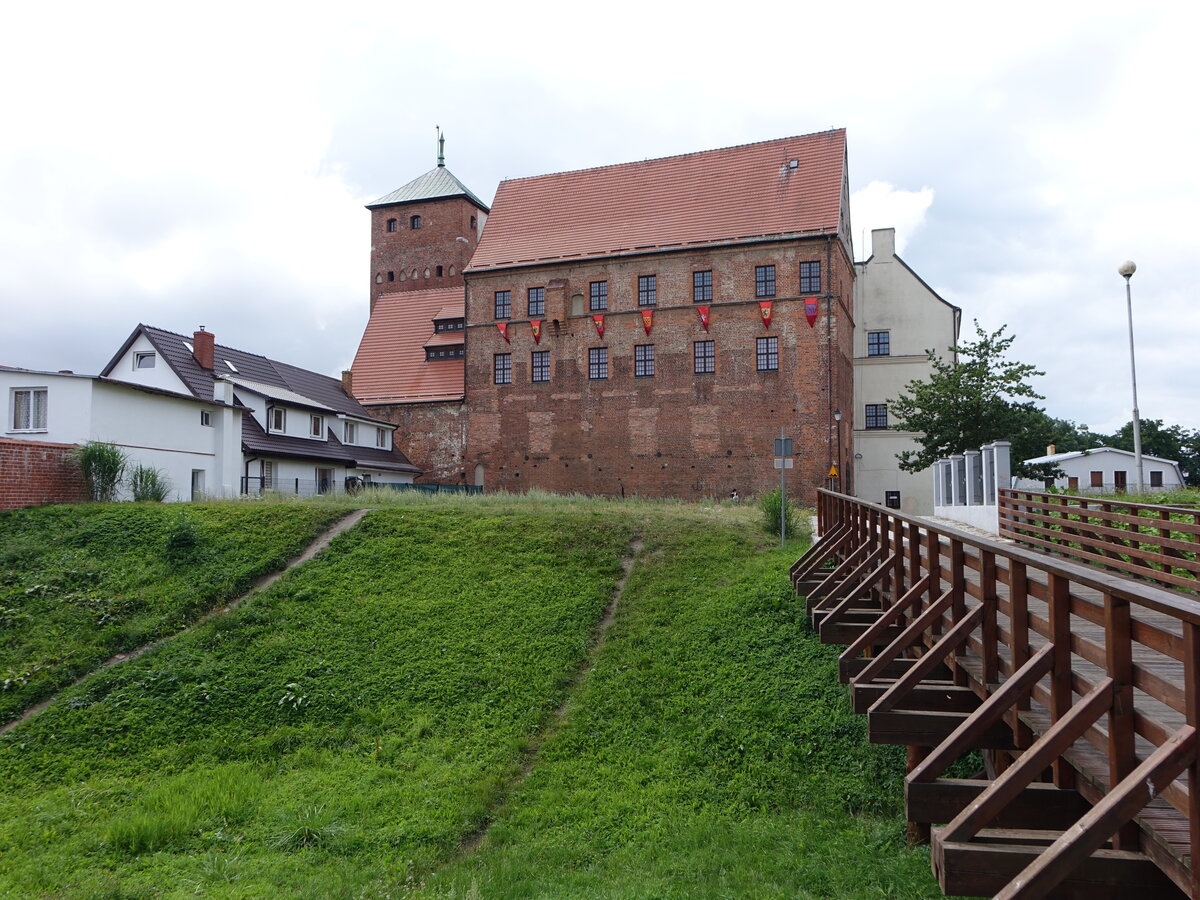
{"points": [[441, 147]]}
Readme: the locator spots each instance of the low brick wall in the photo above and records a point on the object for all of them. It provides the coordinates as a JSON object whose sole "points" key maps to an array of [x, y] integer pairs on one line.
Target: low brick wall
{"points": [[33, 473]]}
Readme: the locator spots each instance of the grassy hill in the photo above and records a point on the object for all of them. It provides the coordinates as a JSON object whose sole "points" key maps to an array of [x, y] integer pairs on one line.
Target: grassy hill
{"points": [[430, 709]]}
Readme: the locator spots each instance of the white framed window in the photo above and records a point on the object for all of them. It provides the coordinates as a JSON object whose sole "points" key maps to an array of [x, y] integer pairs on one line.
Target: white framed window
{"points": [[381, 438], [316, 426], [277, 418], [205, 417], [351, 433], [143, 360], [29, 409]]}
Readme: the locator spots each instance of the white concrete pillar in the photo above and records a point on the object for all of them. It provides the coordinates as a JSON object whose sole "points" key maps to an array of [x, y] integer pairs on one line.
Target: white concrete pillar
{"points": [[989, 475], [958, 480], [1003, 477], [973, 478]]}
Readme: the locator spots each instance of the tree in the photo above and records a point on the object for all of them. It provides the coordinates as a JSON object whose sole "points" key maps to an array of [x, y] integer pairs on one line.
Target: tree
{"points": [[973, 398]]}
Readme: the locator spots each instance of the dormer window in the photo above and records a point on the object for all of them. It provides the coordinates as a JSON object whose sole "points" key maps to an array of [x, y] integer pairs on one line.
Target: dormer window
{"points": [[442, 325], [277, 418], [439, 353], [351, 433], [381, 438], [316, 426], [414, 223], [143, 360]]}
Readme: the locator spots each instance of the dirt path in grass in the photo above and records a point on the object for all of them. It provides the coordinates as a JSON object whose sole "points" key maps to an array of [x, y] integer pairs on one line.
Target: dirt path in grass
{"points": [[319, 543], [474, 839]]}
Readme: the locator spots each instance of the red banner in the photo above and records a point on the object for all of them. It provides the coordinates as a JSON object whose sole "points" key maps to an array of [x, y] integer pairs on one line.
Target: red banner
{"points": [[703, 311], [647, 319], [599, 320], [810, 311], [536, 325], [764, 309], [503, 326]]}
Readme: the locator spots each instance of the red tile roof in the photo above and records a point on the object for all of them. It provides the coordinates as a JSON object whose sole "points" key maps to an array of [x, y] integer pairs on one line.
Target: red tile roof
{"points": [[390, 365], [698, 199]]}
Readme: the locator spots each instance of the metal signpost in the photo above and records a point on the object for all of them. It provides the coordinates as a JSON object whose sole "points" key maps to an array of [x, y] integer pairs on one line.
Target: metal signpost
{"points": [[783, 462]]}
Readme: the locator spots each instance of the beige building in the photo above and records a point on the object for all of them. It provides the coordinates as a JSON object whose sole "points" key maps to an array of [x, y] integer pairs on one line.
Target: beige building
{"points": [[898, 318]]}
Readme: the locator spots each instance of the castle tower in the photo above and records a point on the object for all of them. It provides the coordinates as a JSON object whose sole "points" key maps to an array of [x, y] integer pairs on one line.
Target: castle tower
{"points": [[423, 234]]}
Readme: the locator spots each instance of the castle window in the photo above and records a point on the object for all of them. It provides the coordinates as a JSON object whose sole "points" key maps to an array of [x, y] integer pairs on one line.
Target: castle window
{"points": [[448, 325], [502, 368], [702, 286], [503, 304], [539, 365], [879, 343], [597, 362], [391, 276], [764, 281], [810, 278], [767, 356], [876, 415], [643, 360], [414, 222], [391, 225], [599, 296], [439, 353], [472, 223], [704, 358], [647, 290], [537, 301], [439, 271]]}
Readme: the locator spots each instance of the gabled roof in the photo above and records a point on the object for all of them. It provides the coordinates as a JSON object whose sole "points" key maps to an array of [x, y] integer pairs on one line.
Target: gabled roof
{"points": [[737, 194], [259, 373], [390, 366], [435, 184], [1076, 454]]}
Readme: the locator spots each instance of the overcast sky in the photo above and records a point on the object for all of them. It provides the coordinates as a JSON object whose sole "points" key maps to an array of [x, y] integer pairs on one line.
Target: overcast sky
{"points": [[208, 164]]}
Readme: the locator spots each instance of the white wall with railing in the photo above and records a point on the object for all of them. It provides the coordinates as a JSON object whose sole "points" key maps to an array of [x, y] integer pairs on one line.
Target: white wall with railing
{"points": [[966, 486]]}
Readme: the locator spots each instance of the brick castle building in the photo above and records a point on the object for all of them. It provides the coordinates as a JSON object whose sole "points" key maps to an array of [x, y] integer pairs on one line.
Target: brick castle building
{"points": [[637, 329]]}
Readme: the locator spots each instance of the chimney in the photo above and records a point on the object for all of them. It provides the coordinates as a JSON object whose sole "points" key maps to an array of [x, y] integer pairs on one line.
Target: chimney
{"points": [[203, 348], [348, 382], [1051, 449], [883, 242]]}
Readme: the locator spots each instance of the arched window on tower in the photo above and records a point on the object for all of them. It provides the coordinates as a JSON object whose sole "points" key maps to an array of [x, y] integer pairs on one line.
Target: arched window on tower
{"points": [[391, 276], [391, 224], [414, 223], [439, 271], [472, 223]]}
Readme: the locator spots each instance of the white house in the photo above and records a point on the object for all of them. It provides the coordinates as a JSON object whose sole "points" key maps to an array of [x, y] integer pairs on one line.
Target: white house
{"points": [[192, 441], [215, 420], [301, 432], [1104, 470], [897, 318]]}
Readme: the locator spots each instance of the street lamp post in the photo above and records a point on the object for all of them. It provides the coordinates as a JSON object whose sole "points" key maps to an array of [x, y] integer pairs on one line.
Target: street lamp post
{"points": [[837, 423], [1126, 271]]}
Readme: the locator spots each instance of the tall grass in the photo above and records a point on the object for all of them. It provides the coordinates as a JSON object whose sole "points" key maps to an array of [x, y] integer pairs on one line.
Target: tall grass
{"points": [[147, 483], [102, 466]]}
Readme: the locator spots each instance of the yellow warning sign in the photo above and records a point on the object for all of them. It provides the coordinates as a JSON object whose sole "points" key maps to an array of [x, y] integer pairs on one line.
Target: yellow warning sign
{"points": [[833, 472]]}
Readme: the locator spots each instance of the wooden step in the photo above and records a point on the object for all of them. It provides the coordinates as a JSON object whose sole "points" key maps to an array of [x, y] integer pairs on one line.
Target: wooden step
{"points": [[941, 696], [927, 728], [1040, 805]]}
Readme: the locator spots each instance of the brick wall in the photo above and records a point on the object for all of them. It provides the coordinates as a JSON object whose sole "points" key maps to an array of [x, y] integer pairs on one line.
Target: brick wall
{"points": [[34, 472], [433, 436], [444, 239], [676, 434]]}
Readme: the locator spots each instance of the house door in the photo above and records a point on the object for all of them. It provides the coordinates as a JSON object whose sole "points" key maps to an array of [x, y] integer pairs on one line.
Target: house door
{"points": [[197, 484], [324, 481], [1119, 481]]}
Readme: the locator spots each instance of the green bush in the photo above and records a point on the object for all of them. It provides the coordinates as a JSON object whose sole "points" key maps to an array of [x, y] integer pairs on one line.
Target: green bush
{"points": [[774, 506], [148, 483], [102, 465]]}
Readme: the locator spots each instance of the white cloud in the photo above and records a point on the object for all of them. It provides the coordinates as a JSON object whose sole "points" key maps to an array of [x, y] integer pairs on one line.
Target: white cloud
{"points": [[881, 205]]}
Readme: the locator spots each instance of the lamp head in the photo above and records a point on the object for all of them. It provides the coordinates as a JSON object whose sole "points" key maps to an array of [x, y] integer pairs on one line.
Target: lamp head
{"points": [[837, 415], [1126, 269]]}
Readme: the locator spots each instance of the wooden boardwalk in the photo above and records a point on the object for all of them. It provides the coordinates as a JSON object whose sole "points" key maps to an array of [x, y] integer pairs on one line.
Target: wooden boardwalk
{"points": [[1078, 687]]}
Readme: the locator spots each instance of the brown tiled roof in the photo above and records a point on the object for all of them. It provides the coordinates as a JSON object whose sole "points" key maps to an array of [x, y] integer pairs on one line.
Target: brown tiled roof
{"points": [[453, 311], [445, 339], [390, 365], [698, 199], [257, 442]]}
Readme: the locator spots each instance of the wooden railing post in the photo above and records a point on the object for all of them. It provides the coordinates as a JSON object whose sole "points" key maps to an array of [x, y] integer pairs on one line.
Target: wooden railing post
{"points": [[989, 630], [1059, 601], [1191, 693], [1118, 650]]}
